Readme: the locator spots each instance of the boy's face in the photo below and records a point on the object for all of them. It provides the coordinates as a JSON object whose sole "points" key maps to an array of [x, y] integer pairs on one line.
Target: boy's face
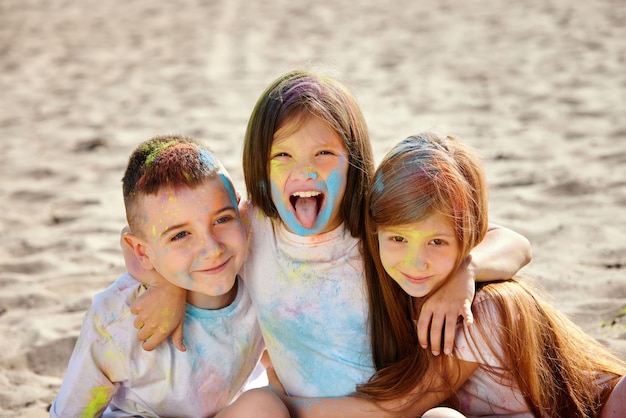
{"points": [[195, 237], [308, 174], [419, 256]]}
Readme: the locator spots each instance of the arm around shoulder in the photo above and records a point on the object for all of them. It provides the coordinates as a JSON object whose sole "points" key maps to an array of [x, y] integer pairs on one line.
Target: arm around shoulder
{"points": [[500, 255], [160, 309]]}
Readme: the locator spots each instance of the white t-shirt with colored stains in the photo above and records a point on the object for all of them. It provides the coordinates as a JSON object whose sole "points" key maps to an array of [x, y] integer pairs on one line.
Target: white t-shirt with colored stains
{"points": [[311, 298], [109, 368]]}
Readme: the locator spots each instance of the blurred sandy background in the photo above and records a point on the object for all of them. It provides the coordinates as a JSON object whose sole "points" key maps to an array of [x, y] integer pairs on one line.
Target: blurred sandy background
{"points": [[538, 86]]}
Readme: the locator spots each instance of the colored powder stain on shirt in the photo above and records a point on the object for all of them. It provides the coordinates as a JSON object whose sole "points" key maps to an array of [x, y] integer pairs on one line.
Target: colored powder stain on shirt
{"points": [[101, 328], [99, 401], [297, 271], [114, 358]]}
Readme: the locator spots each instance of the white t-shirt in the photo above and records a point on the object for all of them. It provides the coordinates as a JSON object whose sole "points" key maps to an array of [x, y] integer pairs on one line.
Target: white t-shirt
{"points": [[311, 297], [483, 394], [109, 368]]}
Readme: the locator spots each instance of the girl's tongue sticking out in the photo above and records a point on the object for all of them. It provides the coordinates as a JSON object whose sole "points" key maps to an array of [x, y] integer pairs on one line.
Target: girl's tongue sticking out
{"points": [[307, 207]]}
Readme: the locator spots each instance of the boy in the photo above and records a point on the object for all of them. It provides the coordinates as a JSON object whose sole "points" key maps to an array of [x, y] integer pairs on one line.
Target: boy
{"points": [[181, 208]]}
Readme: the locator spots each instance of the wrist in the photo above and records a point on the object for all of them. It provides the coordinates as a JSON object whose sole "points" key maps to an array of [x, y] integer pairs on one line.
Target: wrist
{"points": [[471, 267]]}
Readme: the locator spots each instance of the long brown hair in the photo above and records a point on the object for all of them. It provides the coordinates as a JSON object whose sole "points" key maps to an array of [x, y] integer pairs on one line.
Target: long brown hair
{"points": [[560, 369], [430, 173], [293, 97]]}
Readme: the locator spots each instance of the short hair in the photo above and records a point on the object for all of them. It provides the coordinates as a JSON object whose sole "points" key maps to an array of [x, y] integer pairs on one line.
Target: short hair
{"points": [[175, 161], [291, 98]]}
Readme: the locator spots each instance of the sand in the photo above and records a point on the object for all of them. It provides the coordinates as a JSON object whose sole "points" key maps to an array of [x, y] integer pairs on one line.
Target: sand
{"points": [[539, 87]]}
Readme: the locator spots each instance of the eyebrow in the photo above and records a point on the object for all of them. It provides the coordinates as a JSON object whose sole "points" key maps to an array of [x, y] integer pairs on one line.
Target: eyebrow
{"points": [[181, 225], [403, 231]]}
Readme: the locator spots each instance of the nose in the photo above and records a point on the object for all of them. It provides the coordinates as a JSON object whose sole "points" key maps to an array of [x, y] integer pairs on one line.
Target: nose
{"points": [[305, 172], [211, 247], [417, 260]]}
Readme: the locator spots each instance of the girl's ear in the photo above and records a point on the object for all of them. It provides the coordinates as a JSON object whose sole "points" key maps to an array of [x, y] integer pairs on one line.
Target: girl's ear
{"points": [[135, 252]]}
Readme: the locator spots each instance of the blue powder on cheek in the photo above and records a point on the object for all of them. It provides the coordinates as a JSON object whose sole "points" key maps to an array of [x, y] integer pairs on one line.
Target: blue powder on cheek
{"points": [[334, 184], [287, 217]]}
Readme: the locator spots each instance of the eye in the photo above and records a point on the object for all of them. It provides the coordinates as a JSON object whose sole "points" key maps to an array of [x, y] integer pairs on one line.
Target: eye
{"points": [[439, 242], [280, 155], [326, 152], [223, 219], [179, 236], [397, 238]]}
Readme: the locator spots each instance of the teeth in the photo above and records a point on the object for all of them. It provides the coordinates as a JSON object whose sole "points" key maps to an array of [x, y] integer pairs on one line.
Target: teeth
{"points": [[306, 194]]}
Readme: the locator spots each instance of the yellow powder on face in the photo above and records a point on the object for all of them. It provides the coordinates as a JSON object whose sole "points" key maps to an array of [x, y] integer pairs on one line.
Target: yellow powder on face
{"points": [[98, 403]]}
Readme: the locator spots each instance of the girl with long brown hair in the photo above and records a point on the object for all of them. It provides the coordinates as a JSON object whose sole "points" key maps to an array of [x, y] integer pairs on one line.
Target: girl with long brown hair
{"points": [[426, 210]]}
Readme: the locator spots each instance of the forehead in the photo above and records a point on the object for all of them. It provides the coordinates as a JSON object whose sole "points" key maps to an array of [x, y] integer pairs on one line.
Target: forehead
{"points": [[435, 223], [307, 127], [212, 190]]}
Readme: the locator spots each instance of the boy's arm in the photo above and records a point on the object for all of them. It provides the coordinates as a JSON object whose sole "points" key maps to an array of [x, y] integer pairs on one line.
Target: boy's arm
{"points": [[160, 309], [501, 254]]}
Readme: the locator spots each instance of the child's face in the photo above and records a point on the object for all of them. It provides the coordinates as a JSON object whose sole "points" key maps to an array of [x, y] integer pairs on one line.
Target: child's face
{"points": [[195, 237], [308, 173], [421, 255]]}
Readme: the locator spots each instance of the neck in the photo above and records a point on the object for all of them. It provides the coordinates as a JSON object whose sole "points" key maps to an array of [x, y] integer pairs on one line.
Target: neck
{"points": [[203, 301]]}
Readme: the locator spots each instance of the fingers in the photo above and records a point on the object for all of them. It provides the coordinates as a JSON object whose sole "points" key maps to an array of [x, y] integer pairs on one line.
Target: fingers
{"points": [[467, 313], [138, 322], [448, 335], [149, 344], [177, 338], [449, 331], [423, 328], [144, 333], [136, 307], [436, 329]]}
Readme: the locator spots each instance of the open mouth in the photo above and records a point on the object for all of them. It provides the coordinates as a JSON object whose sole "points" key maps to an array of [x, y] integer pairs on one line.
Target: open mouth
{"points": [[307, 206]]}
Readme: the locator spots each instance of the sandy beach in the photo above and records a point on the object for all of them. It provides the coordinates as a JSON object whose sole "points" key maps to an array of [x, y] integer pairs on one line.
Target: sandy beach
{"points": [[539, 87]]}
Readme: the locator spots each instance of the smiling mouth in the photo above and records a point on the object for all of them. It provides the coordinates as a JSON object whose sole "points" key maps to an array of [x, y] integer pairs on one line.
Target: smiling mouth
{"points": [[215, 269], [307, 206], [417, 280]]}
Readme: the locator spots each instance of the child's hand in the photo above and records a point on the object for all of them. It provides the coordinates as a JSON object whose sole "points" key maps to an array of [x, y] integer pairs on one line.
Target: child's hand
{"points": [[160, 309], [441, 310], [160, 312]]}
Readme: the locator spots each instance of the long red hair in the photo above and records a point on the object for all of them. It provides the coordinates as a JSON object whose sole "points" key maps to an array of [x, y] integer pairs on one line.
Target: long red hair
{"points": [[430, 173]]}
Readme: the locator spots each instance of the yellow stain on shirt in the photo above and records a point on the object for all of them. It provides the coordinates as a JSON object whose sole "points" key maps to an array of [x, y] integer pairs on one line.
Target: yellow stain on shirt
{"points": [[98, 403]]}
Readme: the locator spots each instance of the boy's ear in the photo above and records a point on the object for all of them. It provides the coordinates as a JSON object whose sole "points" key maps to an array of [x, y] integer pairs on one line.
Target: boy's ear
{"points": [[137, 253]]}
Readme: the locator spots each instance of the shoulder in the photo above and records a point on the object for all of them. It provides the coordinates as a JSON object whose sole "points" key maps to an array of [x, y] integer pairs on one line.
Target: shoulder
{"points": [[253, 218], [113, 304], [476, 342]]}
